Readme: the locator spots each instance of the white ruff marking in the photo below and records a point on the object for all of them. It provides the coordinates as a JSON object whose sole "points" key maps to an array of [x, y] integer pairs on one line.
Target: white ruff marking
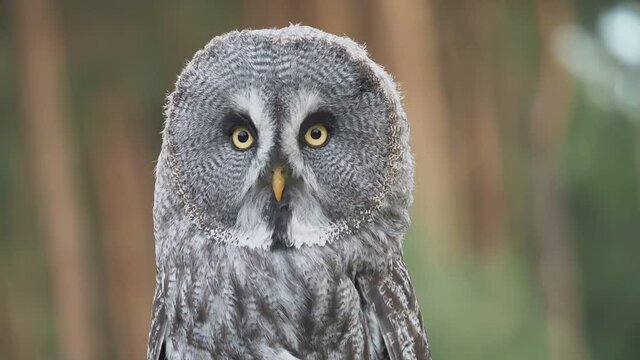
{"points": [[250, 228], [307, 218], [306, 103], [308, 221], [251, 102]]}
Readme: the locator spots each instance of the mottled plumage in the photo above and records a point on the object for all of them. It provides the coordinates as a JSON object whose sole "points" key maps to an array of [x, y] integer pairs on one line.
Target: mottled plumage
{"points": [[318, 274]]}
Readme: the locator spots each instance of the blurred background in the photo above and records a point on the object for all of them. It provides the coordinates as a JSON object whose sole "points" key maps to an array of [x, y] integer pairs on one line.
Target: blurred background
{"points": [[525, 118]]}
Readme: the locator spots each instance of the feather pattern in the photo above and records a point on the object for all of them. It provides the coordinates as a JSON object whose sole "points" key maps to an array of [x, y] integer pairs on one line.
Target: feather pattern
{"points": [[261, 304], [395, 306]]}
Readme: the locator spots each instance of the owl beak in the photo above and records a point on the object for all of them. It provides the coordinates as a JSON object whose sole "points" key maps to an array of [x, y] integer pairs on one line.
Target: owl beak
{"points": [[278, 182]]}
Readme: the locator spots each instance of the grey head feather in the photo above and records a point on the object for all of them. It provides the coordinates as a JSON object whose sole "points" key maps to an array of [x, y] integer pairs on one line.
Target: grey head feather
{"points": [[278, 77]]}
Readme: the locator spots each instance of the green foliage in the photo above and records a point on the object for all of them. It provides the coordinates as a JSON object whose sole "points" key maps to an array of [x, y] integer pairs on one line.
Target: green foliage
{"points": [[477, 309], [602, 166]]}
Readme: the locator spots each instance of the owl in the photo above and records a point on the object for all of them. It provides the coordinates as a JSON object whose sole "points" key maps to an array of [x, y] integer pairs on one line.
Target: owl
{"points": [[282, 195]]}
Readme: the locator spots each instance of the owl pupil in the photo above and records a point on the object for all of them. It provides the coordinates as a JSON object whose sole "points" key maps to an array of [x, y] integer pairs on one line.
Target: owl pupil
{"points": [[316, 133], [243, 136]]}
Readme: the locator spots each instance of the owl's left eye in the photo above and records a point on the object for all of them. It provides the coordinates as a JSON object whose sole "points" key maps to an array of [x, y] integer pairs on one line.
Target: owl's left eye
{"points": [[241, 138], [316, 136]]}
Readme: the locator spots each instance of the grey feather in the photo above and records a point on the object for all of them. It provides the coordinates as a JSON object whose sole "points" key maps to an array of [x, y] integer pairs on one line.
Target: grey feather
{"points": [[393, 302], [318, 275]]}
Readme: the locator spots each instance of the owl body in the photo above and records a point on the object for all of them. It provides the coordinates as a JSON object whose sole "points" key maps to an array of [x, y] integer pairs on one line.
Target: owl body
{"points": [[282, 195], [250, 304]]}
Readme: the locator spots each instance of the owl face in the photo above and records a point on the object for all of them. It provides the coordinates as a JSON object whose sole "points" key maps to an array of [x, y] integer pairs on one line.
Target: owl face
{"points": [[280, 138]]}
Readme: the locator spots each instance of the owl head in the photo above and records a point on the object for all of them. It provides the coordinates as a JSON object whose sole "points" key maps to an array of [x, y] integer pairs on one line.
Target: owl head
{"points": [[283, 138]]}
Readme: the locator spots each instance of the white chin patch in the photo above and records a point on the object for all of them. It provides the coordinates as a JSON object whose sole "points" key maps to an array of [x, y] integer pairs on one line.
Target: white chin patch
{"points": [[251, 228], [308, 226]]}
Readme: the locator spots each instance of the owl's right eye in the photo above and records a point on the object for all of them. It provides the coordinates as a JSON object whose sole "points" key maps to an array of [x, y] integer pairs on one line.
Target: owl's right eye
{"points": [[241, 138]]}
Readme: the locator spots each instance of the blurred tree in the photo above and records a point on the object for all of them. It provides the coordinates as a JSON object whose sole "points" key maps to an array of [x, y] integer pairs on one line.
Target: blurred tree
{"points": [[408, 35], [123, 177], [556, 263], [43, 99], [468, 38]]}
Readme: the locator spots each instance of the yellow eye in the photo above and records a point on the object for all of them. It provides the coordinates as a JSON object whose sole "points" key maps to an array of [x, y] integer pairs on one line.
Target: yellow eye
{"points": [[316, 136], [242, 138]]}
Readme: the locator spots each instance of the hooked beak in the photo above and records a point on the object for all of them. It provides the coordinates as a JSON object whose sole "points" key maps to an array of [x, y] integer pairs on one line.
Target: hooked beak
{"points": [[278, 182]]}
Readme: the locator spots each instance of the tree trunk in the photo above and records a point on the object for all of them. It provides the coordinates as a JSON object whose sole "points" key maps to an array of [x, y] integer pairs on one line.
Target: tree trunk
{"points": [[556, 263], [124, 185], [53, 170], [409, 48]]}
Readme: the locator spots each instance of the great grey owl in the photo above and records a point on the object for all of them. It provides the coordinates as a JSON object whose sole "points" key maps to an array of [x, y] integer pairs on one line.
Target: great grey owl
{"points": [[282, 195]]}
